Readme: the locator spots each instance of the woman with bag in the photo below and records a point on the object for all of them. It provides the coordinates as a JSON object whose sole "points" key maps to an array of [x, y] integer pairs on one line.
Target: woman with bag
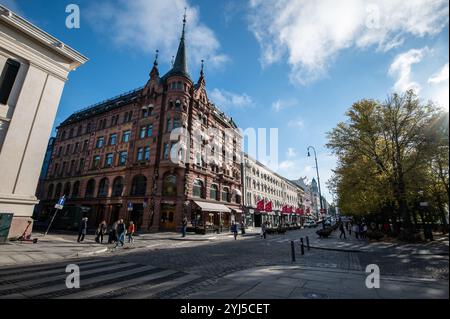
{"points": [[130, 232]]}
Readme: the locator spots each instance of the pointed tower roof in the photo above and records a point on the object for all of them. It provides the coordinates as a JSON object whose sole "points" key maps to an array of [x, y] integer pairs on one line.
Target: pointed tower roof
{"points": [[180, 65], [201, 80], [154, 73]]}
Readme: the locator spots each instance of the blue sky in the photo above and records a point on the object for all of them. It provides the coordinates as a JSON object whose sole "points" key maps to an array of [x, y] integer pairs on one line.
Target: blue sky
{"points": [[294, 65]]}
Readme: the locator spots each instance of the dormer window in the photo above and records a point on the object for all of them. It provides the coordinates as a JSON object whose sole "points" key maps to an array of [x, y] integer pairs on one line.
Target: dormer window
{"points": [[178, 104], [179, 86]]}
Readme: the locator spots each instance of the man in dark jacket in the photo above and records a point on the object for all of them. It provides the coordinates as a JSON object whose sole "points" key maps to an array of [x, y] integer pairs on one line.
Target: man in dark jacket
{"points": [[341, 228], [83, 229], [121, 229]]}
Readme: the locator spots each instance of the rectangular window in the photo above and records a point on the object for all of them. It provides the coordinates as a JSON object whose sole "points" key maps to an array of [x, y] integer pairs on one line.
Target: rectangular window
{"points": [[7, 79], [126, 136], [60, 151], [81, 165], [85, 145], [67, 149], [140, 154], [72, 167], [142, 132], [147, 153], [130, 116], [149, 130], [100, 142], [109, 160], [123, 158], [63, 169], [166, 151], [55, 171], [96, 161], [113, 139], [76, 148]]}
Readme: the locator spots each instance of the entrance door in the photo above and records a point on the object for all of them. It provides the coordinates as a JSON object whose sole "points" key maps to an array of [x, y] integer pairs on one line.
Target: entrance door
{"points": [[137, 215], [168, 217], [258, 220], [115, 213]]}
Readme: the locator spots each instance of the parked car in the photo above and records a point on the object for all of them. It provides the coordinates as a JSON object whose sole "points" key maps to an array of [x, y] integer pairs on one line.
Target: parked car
{"points": [[310, 223]]}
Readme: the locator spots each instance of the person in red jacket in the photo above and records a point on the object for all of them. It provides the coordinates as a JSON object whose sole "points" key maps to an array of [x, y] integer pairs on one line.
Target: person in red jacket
{"points": [[130, 231]]}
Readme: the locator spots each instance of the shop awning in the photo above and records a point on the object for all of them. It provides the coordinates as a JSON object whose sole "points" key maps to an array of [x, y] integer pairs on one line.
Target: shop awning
{"points": [[237, 210], [211, 207]]}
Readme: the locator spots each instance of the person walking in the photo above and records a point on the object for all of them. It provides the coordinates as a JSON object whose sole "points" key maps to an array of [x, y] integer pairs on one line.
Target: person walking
{"points": [[341, 228], [184, 226], [264, 230], [130, 231], [242, 228], [83, 229], [234, 230], [350, 226], [120, 233], [101, 231], [356, 230]]}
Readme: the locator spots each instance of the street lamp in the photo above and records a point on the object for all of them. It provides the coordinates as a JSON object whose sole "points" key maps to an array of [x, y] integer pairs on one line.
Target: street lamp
{"points": [[318, 182]]}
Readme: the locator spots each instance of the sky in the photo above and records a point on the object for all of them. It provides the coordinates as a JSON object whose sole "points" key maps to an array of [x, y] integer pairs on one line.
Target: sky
{"points": [[294, 65]]}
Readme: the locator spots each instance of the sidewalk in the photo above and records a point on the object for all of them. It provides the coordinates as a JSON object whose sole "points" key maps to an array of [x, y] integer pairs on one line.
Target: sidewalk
{"points": [[299, 282], [440, 246], [48, 248]]}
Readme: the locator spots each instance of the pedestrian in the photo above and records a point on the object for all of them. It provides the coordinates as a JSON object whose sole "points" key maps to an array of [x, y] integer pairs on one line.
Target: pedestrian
{"points": [[101, 231], [120, 233], [364, 230], [264, 230], [350, 229], [361, 230], [234, 230], [83, 229], [184, 226], [130, 232], [356, 230], [341, 228], [242, 228]]}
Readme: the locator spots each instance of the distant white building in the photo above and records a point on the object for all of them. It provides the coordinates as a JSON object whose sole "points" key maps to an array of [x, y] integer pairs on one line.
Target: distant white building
{"points": [[34, 67]]}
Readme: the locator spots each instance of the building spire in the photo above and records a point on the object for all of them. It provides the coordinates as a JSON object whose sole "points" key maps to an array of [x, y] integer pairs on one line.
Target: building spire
{"points": [[156, 58], [201, 80], [179, 65]]}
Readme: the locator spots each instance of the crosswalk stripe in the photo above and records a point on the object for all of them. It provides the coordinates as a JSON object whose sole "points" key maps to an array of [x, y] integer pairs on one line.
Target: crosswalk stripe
{"points": [[20, 270], [112, 287], [93, 280], [26, 284], [145, 293], [25, 276]]}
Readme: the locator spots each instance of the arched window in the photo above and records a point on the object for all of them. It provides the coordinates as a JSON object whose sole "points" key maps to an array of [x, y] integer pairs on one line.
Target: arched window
{"points": [[90, 189], [58, 190], [214, 192], [139, 185], [103, 187], [67, 189], [50, 191], [170, 185], [76, 189], [226, 194], [117, 186], [197, 189]]}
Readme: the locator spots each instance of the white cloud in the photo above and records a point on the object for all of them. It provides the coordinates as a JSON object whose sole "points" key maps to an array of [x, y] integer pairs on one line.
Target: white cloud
{"points": [[148, 25], [226, 99], [313, 33], [297, 123], [440, 76], [291, 152], [281, 104], [401, 69], [285, 165]]}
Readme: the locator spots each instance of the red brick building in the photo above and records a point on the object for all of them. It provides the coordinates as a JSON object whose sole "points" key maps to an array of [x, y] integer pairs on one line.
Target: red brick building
{"points": [[122, 158]]}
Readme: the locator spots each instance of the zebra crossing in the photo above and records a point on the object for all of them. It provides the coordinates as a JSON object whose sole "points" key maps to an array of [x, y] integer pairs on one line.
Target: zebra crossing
{"points": [[99, 278]]}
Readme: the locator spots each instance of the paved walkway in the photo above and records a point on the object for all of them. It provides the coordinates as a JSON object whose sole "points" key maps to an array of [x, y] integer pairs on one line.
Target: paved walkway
{"points": [[299, 282], [54, 247]]}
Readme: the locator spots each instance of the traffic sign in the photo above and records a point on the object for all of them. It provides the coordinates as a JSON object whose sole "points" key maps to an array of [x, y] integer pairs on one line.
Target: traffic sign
{"points": [[130, 206], [61, 202], [57, 206]]}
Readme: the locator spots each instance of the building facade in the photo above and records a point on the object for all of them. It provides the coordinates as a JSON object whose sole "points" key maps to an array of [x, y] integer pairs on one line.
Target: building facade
{"points": [[153, 155], [34, 67], [276, 193]]}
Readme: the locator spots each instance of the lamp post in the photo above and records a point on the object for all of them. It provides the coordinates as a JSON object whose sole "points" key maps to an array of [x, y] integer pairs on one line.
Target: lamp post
{"points": [[318, 182]]}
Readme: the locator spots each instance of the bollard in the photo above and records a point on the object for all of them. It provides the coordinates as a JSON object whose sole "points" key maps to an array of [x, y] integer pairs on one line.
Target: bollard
{"points": [[292, 251], [302, 246], [307, 242]]}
